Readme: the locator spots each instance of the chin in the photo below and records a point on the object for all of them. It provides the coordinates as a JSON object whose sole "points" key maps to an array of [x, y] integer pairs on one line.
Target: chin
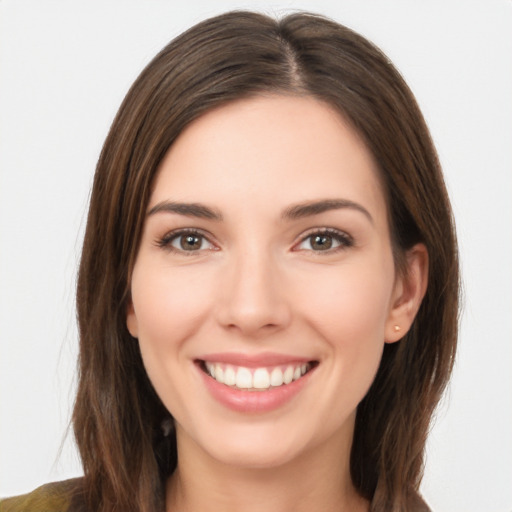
{"points": [[268, 444], [243, 445], [254, 454]]}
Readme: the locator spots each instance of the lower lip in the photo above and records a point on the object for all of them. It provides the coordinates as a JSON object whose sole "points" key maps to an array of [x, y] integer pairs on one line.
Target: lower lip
{"points": [[254, 401]]}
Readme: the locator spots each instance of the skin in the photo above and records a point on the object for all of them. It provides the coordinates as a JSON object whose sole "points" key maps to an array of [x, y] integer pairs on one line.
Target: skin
{"points": [[256, 282]]}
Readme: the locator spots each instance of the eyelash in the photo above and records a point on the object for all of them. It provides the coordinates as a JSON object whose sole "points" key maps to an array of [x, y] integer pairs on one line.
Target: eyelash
{"points": [[166, 241], [343, 239]]}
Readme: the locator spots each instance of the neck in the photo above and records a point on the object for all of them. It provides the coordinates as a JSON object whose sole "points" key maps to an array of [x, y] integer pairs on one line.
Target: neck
{"points": [[316, 480]]}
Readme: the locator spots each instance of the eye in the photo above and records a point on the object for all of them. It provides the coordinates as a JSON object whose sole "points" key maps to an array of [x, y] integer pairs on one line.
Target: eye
{"points": [[186, 241], [326, 240]]}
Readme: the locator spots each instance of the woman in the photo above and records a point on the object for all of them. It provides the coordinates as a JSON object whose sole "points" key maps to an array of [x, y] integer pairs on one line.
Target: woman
{"points": [[268, 290]]}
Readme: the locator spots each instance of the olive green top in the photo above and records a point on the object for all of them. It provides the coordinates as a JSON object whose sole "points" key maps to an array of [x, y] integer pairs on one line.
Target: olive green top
{"points": [[66, 497], [53, 497]]}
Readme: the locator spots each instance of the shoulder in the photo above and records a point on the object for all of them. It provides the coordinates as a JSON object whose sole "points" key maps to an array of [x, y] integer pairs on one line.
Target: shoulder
{"points": [[52, 497]]}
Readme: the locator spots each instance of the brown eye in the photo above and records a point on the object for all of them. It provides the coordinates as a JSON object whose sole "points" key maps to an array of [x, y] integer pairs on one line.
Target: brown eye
{"points": [[324, 241], [190, 242], [321, 242], [186, 241]]}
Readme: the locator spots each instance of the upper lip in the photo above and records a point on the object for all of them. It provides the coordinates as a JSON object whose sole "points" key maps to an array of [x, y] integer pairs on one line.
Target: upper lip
{"points": [[254, 360]]}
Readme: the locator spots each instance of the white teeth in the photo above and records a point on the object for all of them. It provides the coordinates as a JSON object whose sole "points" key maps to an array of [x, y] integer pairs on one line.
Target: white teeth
{"points": [[211, 369], [243, 378], [288, 375], [259, 378], [276, 377], [229, 376], [219, 373]]}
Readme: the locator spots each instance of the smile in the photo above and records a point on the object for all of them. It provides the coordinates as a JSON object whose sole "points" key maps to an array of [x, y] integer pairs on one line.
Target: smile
{"points": [[256, 379], [256, 384]]}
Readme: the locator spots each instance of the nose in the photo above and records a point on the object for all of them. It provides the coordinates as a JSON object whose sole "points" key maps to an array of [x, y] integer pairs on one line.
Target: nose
{"points": [[253, 298]]}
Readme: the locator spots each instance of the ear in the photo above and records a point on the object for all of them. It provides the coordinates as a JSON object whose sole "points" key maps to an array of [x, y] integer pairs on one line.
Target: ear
{"points": [[409, 290], [131, 320]]}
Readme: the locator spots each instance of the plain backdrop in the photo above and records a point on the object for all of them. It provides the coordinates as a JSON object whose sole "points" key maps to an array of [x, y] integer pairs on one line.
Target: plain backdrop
{"points": [[64, 69]]}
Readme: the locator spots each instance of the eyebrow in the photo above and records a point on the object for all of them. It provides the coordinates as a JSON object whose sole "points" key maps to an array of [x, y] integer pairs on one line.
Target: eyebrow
{"points": [[316, 207], [189, 209], [293, 212]]}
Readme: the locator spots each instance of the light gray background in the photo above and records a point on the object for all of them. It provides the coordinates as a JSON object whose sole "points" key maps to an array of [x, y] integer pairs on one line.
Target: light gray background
{"points": [[64, 69]]}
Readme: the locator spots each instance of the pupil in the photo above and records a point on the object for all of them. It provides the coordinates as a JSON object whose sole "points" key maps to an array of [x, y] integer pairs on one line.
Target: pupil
{"points": [[322, 242], [190, 242]]}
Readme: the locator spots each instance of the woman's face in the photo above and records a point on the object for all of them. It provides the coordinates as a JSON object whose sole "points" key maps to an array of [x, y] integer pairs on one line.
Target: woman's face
{"points": [[266, 261]]}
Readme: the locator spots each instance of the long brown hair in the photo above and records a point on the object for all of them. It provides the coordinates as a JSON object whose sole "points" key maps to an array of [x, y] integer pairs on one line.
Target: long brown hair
{"points": [[117, 415]]}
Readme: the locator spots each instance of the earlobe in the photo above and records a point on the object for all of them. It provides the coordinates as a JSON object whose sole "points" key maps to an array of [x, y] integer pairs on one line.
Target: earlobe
{"points": [[131, 320], [410, 289]]}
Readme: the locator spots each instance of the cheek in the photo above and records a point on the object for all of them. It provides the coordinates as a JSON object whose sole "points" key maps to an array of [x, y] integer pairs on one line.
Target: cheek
{"points": [[169, 304], [349, 309], [351, 302]]}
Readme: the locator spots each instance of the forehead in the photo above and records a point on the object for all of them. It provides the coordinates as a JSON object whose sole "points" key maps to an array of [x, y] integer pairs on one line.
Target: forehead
{"points": [[270, 149]]}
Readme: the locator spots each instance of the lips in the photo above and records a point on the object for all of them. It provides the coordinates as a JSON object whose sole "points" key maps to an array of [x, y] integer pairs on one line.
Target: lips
{"points": [[254, 383]]}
